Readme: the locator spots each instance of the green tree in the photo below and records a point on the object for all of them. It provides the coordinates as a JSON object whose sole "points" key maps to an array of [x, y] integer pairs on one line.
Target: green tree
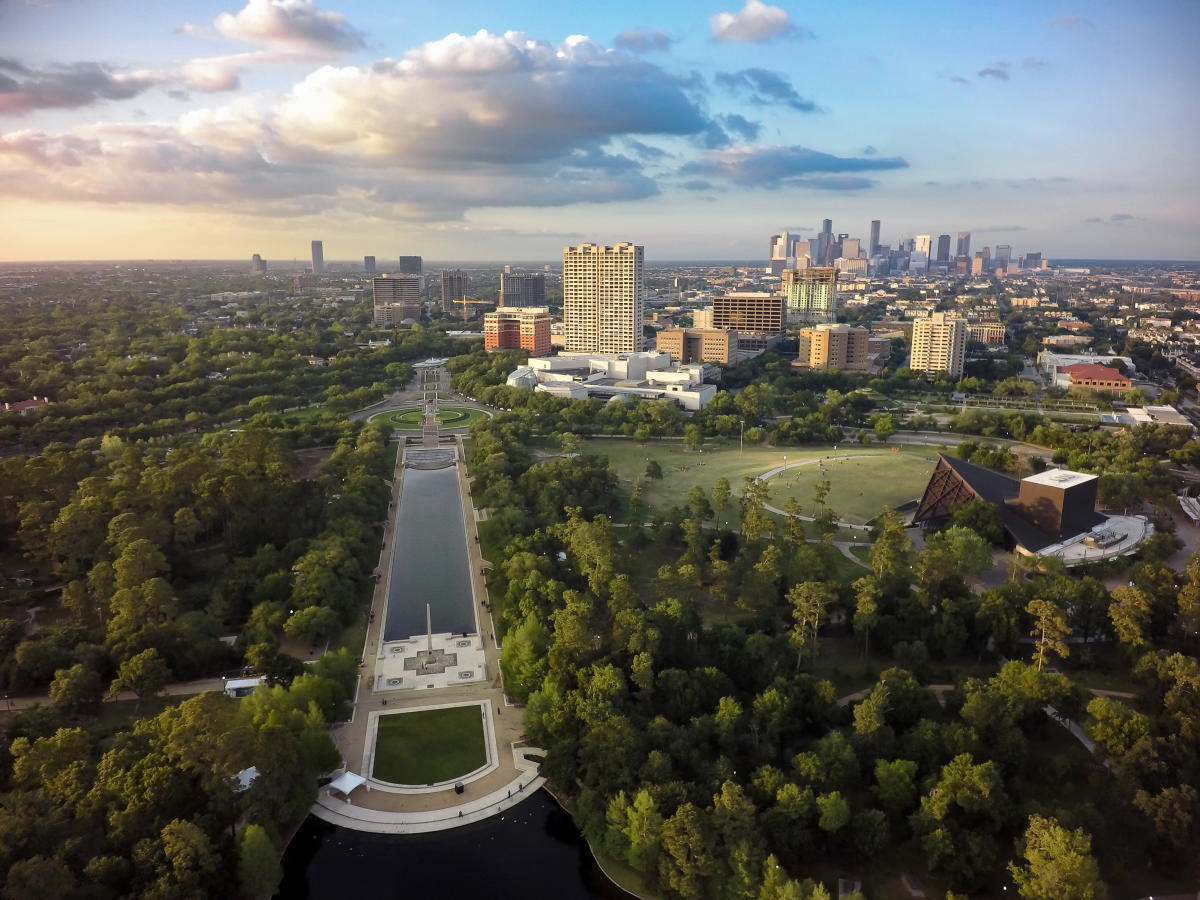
{"points": [[809, 601], [1058, 864], [77, 689], [145, 674], [895, 785], [1116, 727], [313, 625], [692, 438], [1130, 614], [258, 863], [833, 812], [1049, 633], [866, 610], [688, 847], [654, 469], [38, 878], [721, 495]]}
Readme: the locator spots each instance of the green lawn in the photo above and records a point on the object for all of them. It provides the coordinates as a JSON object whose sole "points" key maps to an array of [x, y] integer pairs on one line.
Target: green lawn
{"points": [[411, 419], [429, 746], [860, 487], [862, 481]]}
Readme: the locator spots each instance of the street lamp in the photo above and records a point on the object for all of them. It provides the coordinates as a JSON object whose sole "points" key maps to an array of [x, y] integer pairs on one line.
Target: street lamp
{"points": [[741, 426]]}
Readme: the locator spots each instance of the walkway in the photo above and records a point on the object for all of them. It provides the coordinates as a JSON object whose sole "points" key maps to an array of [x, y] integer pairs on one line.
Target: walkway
{"points": [[771, 473], [392, 812]]}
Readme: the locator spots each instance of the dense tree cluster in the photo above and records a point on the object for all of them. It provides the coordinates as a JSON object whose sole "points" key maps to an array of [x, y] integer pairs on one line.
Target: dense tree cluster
{"points": [[714, 760]]}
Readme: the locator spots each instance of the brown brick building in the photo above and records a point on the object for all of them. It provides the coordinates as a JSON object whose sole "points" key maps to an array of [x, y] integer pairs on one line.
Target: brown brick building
{"points": [[688, 345]]}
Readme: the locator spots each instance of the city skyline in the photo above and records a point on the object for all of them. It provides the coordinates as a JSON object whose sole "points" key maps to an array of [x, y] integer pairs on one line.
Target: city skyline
{"points": [[214, 130]]}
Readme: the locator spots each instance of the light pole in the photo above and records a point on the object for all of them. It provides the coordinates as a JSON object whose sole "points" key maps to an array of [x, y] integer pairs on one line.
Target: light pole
{"points": [[741, 427]]}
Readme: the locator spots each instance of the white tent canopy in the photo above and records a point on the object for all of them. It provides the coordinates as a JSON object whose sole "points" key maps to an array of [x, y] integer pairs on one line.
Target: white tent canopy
{"points": [[346, 783]]}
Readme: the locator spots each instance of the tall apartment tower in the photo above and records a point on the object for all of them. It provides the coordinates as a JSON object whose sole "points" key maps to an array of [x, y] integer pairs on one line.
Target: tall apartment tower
{"points": [[810, 295], [396, 298], [943, 248], [454, 289], [873, 246], [258, 265], [1003, 256], [410, 265], [603, 298], [369, 265], [522, 289], [318, 257], [964, 244], [939, 344]]}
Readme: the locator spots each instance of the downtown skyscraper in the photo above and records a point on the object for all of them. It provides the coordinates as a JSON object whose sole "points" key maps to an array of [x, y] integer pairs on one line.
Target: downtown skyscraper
{"points": [[318, 257]]}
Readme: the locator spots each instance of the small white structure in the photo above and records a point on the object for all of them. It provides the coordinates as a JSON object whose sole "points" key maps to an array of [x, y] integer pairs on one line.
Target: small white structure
{"points": [[241, 687], [345, 783]]}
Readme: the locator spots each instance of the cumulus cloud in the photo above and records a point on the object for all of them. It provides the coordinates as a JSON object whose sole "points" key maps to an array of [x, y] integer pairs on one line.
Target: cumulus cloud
{"points": [[742, 126], [869, 150], [789, 165], [294, 26], [697, 184], [24, 89], [639, 41], [997, 70], [459, 123], [755, 23], [763, 87]]}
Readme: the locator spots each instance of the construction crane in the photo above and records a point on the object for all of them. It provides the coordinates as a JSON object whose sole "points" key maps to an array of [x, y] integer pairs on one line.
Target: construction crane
{"points": [[466, 303]]}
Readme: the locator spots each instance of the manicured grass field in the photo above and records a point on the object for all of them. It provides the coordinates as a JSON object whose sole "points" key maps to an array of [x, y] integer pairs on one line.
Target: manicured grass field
{"points": [[861, 481], [429, 746], [411, 419], [889, 480]]}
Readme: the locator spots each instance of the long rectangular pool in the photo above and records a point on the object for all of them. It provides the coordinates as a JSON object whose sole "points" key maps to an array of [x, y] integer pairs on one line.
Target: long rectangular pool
{"points": [[429, 558]]}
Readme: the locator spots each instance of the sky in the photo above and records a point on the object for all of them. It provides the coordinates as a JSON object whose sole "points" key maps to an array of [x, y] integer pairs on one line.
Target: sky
{"points": [[214, 129]]}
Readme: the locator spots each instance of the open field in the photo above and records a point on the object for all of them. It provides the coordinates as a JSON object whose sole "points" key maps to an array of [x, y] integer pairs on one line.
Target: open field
{"points": [[861, 481], [411, 419], [860, 488], [430, 745]]}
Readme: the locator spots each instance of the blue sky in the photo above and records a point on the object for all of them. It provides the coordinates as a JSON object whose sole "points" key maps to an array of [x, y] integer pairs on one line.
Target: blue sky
{"points": [[506, 129]]}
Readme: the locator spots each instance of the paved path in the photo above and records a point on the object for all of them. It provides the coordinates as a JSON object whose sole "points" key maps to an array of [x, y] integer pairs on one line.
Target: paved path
{"points": [[771, 473]]}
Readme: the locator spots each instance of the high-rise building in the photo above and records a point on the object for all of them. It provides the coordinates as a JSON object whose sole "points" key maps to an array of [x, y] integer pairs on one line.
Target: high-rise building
{"points": [[824, 243], [922, 243], [840, 347], [318, 257], [939, 344], [1003, 256], [410, 265], [781, 250], [454, 290], [1031, 261], [873, 246], [522, 328], [964, 244], [943, 249], [851, 248], [369, 265], [397, 297], [258, 265], [603, 297], [522, 289], [810, 295]]}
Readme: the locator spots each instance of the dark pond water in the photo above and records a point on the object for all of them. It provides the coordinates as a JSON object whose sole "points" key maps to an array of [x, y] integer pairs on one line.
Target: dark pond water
{"points": [[530, 852], [429, 560]]}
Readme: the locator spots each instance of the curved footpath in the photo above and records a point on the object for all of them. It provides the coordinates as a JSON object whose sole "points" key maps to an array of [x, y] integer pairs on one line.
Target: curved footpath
{"points": [[771, 473]]}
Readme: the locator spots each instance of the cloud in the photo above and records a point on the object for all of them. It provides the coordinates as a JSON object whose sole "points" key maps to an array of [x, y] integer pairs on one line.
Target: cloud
{"points": [[68, 86], [1034, 62], [997, 70], [1093, 220], [297, 27], [645, 151], [697, 184], [763, 87], [789, 165], [868, 150], [1121, 217], [742, 126], [757, 22], [952, 78], [639, 41], [455, 124], [988, 229], [1069, 22]]}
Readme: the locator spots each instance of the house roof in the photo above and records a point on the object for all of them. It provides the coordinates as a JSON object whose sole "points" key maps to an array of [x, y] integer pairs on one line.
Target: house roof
{"points": [[1093, 371]]}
